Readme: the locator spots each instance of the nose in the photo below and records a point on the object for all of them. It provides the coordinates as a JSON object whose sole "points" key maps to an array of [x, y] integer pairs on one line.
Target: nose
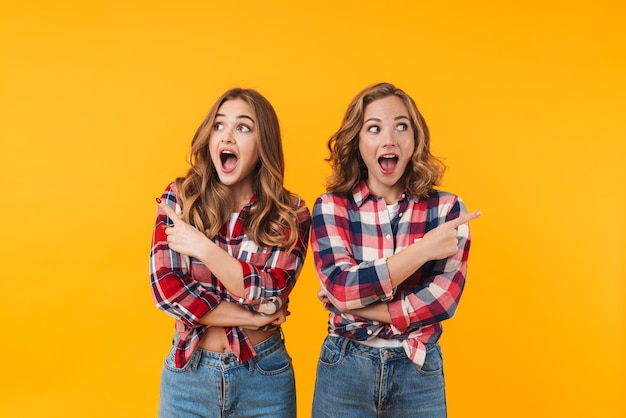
{"points": [[388, 139], [228, 136]]}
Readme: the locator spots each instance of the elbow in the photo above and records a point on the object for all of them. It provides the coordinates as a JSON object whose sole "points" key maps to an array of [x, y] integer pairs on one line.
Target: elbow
{"points": [[348, 299], [447, 301], [175, 311], [341, 306], [168, 308], [447, 312]]}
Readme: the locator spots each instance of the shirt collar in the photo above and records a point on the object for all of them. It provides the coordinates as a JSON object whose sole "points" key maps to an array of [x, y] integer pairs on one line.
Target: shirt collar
{"points": [[249, 205], [362, 193]]}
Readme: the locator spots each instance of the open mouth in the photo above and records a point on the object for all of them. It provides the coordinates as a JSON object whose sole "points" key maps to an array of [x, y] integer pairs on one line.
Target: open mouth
{"points": [[388, 163], [228, 160]]}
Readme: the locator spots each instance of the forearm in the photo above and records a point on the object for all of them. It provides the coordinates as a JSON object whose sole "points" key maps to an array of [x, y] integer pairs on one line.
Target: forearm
{"points": [[230, 314], [223, 266], [255, 280], [445, 241], [406, 262], [376, 312]]}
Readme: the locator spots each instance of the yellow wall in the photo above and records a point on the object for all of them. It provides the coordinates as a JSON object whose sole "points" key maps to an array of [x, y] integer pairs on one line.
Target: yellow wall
{"points": [[98, 103]]}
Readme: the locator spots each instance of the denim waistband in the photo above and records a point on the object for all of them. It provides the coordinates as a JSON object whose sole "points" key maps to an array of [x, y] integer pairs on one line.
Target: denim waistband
{"points": [[229, 360], [356, 348]]}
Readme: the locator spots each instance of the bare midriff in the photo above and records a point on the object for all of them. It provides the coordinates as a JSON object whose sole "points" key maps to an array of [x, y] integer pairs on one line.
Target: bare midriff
{"points": [[214, 339]]}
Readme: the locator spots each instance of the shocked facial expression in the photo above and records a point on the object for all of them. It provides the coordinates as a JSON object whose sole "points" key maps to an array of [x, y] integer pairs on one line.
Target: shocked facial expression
{"points": [[233, 144], [386, 144]]}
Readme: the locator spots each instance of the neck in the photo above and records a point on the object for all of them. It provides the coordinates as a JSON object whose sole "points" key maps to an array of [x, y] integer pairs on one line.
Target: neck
{"points": [[240, 193], [390, 194]]}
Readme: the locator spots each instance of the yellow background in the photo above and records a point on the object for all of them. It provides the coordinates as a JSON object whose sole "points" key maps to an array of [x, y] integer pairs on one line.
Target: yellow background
{"points": [[526, 101]]}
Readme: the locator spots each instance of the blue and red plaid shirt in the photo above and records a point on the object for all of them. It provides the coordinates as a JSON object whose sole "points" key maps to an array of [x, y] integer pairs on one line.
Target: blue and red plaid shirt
{"points": [[185, 289], [351, 238]]}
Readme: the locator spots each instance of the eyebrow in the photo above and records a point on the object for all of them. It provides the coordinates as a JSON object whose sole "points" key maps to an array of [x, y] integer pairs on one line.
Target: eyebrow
{"points": [[237, 117], [378, 120]]}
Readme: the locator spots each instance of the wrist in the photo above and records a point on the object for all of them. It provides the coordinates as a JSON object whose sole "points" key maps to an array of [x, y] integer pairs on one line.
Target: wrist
{"points": [[420, 252]]}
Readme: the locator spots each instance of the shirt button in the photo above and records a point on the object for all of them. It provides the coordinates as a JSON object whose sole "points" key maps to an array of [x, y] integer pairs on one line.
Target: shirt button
{"points": [[388, 236], [369, 332]]}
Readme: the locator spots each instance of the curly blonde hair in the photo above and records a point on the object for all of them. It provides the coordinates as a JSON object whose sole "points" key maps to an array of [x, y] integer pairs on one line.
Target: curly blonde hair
{"points": [[423, 172], [207, 202]]}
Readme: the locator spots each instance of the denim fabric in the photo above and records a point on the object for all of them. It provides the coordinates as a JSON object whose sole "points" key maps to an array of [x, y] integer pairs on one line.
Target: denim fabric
{"points": [[357, 381], [217, 385]]}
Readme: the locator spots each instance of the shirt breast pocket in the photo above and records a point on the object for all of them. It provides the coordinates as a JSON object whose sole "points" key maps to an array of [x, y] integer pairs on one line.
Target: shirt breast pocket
{"points": [[260, 259]]}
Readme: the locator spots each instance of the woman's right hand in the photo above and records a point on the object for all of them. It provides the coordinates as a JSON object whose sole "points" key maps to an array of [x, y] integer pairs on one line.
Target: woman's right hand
{"points": [[442, 242]]}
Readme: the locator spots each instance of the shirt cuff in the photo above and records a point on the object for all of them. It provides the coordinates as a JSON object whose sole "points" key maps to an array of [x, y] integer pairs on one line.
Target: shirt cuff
{"points": [[382, 272], [399, 317], [253, 296]]}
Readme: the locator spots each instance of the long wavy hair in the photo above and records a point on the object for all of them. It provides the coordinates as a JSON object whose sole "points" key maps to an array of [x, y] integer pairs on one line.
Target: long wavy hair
{"points": [[207, 202], [423, 172]]}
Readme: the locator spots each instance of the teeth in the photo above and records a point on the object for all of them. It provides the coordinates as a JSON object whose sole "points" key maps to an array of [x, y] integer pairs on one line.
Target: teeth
{"points": [[388, 156], [226, 155]]}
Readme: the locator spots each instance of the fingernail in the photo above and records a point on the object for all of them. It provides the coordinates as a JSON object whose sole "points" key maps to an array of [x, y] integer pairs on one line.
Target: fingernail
{"points": [[158, 200]]}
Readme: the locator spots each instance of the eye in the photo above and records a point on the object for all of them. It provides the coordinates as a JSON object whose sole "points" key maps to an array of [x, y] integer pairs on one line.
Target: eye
{"points": [[244, 128], [403, 127], [373, 129], [218, 126]]}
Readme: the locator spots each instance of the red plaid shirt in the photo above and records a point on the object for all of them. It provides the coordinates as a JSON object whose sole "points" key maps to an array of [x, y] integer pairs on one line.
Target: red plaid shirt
{"points": [[185, 289], [351, 238]]}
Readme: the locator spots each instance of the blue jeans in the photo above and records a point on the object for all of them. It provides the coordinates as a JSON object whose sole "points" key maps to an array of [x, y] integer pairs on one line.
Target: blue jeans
{"points": [[217, 385], [357, 381]]}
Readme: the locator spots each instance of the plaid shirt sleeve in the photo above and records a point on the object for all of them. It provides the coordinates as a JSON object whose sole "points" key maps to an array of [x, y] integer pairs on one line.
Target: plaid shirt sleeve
{"points": [[349, 284], [173, 289], [269, 276], [437, 298]]}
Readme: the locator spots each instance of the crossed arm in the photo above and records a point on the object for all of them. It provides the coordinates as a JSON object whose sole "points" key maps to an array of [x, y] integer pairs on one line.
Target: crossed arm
{"points": [[367, 289], [256, 294]]}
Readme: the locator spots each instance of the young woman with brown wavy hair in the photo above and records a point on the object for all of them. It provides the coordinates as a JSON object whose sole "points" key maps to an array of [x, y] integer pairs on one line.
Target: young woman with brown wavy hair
{"points": [[228, 245], [391, 254], [424, 171]]}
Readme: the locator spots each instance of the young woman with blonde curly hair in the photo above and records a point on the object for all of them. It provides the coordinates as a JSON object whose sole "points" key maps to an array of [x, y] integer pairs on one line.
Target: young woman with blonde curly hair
{"points": [[391, 254], [229, 242]]}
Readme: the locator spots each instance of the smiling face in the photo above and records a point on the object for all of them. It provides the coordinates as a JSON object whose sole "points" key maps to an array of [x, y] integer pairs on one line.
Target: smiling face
{"points": [[233, 146], [386, 144]]}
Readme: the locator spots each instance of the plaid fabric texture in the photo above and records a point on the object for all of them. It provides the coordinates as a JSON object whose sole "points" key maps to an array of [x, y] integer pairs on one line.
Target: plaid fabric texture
{"points": [[185, 289], [351, 238]]}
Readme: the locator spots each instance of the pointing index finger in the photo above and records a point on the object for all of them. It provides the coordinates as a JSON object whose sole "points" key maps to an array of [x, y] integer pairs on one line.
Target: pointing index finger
{"points": [[171, 213], [463, 219]]}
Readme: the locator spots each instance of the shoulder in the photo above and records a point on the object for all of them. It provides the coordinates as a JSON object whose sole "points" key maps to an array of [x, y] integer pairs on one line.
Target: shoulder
{"points": [[437, 197], [296, 201], [299, 206], [332, 198], [445, 203], [169, 194], [332, 206]]}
